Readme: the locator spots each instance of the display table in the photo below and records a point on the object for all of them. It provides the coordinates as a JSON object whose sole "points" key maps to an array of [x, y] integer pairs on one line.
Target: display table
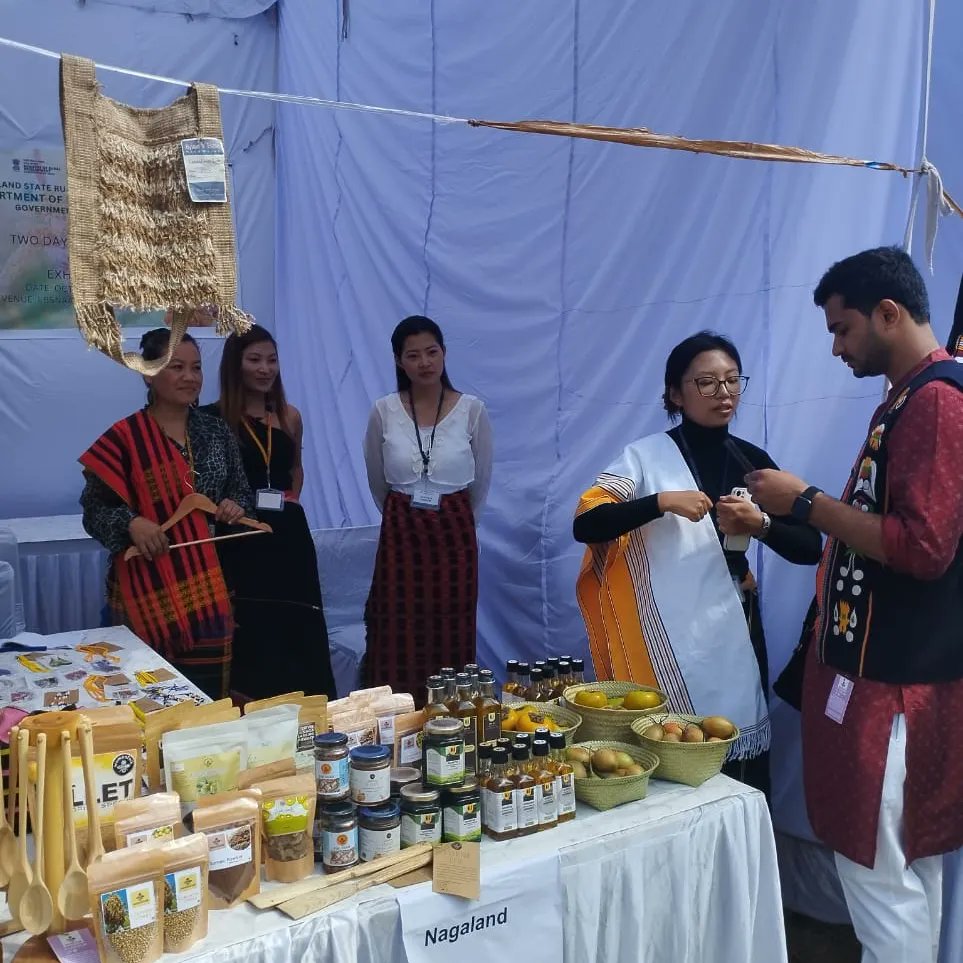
{"points": [[37, 669], [684, 876]]}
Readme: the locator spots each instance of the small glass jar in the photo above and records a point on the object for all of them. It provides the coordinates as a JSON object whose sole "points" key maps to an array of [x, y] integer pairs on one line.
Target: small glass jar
{"points": [[379, 831], [331, 766], [443, 753], [370, 775], [339, 836], [420, 816], [400, 777], [461, 820]]}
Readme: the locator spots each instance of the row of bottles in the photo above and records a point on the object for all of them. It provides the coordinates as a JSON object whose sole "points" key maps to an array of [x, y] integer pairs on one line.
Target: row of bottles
{"points": [[474, 703], [525, 790], [545, 680]]}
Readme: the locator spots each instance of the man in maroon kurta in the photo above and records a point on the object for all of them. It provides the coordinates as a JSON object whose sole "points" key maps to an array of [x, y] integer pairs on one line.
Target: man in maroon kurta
{"points": [[883, 774]]}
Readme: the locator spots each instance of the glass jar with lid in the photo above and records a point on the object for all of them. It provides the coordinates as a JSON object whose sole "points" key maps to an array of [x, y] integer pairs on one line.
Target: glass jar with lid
{"points": [[443, 753], [339, 836], [379, 831], [370, 775], [420, 816], [331, 766]]}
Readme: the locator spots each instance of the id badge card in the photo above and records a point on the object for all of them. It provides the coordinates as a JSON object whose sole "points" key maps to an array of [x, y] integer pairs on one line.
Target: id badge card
{"points": [[425, 496], [269, 500]]}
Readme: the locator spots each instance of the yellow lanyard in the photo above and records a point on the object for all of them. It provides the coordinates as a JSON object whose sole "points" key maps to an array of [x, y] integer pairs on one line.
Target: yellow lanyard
{"points": [[265, 453]]}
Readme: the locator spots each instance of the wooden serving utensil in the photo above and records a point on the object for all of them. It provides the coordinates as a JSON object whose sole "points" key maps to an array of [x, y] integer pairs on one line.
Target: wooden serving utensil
{"points": [[36, 908], [95, 842], [5, 830], [8, 839], [20, 879], [72, 898]]}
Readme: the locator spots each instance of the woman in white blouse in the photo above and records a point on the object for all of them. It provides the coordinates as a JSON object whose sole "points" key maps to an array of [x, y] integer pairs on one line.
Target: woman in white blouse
{"points": [[428, 451]]}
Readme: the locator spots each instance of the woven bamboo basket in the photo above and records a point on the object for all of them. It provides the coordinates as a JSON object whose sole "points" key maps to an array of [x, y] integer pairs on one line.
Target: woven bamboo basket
{"points": [[604, 794], [566, 720], [608, 724], [690, 763]]}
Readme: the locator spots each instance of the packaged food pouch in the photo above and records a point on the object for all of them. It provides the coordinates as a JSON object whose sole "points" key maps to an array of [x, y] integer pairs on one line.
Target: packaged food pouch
{"points": [[205, 760], [287, 824], [258, 705], [312, 721], [116, 737], [185, 892], [232, 827], [272, 735], [148, 820], [126, 902]]}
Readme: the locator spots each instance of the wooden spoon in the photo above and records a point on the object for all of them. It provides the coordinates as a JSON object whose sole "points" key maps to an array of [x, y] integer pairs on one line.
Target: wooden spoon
{"points": [[21, 876], [36, 908], [95, 843], [8, 840], [72, 898], [6, 870]]}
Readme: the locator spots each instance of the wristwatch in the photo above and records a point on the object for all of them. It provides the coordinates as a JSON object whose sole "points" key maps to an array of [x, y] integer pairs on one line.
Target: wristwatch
{"points": [[803, 505], [764, 531]]}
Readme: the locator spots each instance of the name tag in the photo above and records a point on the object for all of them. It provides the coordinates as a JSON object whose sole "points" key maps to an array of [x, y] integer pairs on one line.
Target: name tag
{"points": [[425, 496], [839, 697], [269, 500]]}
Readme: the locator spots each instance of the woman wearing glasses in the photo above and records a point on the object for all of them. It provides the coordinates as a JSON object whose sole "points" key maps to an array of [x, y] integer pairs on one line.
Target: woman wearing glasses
{"points": [[665, 587]]}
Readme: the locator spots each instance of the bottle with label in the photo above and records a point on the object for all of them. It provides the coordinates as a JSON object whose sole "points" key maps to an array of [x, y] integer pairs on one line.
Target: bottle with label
{"points": [[461, 818], [511, 677], [523, 739], [443, 753], [544, 777], [435, 706], [498, 800], [549, 682], [534, 691], [420, 816], [578, 671], [553, 661], [484, 770], [489, 709], [523, 783], [472, 671], [564, 679], [564, 778], [503, 742], [465, 709], [338, 828]]}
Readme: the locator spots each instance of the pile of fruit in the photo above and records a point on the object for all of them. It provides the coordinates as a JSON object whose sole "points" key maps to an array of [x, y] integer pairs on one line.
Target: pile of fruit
{"points": [[601, 764], [528, 719], [636, 699], [711, 729]]}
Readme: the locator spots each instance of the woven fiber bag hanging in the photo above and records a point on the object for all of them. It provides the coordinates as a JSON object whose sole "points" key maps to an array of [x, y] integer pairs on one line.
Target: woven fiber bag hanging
{"points": [[134, 237]]}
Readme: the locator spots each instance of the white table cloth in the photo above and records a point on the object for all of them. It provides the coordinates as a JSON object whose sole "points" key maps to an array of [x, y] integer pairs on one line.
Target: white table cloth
{"points": [[684, 876], [63, 572]]}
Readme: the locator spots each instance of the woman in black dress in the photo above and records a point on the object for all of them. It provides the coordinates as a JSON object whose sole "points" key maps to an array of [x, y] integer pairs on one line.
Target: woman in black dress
{"points": [[281, 641]]}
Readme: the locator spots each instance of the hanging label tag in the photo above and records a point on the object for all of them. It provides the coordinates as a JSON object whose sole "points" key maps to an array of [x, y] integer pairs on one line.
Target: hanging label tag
{"points": [[425, 496], [269, 500], [204, 167], [839, 698]]}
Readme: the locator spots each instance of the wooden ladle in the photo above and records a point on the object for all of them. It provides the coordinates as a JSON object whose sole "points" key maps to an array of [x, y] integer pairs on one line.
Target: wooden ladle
{"points": [[95, 842], [7, 840], [20, 879], [36, 908], [72, 897]]}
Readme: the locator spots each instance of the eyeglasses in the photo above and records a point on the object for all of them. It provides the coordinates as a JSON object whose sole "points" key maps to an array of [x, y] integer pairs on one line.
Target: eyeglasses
{"points": [[709, 387]]}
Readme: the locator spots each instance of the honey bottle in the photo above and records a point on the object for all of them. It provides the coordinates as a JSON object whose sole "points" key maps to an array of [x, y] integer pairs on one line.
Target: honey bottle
{"points": [[564, 778], [524, 680], [472, 670], [511, 677], [534, 691], [544, 777], [435, 706], [549, 681], [564, 679], [489, 709], [526, 803], [523, 739], [498, 801], [484, 773], [463, 707], [448, 675], [578, 671]]}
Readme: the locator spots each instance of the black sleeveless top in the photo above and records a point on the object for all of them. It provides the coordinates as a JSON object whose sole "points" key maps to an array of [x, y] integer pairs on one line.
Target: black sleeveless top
{"points": [[282, 455]]}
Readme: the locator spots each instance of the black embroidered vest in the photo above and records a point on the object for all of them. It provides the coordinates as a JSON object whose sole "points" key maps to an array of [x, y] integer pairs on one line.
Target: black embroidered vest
{"points": [[877, 623]]}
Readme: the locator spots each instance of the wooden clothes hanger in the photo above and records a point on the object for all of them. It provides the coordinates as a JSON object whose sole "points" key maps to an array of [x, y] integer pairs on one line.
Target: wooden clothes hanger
{"points": [[198, 502]]}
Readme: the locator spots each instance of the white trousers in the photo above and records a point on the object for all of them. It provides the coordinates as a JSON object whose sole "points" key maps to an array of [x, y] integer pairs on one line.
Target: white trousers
{"points": [[895, 908]]}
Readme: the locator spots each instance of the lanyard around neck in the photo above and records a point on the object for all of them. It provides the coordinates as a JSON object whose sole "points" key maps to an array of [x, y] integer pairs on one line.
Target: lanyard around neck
{"points": [[265, 452], [426, 455]]}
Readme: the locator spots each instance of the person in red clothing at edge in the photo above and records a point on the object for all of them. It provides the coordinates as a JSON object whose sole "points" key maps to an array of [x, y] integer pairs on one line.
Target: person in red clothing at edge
{"points": [[883, 686]]}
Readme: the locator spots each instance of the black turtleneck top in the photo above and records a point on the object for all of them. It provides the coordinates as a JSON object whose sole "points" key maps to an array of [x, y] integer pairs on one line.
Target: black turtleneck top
{"points": [[717, 470]]}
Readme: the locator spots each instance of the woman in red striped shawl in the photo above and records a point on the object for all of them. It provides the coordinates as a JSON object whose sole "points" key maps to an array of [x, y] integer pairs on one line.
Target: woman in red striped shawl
{"points": [[137, 473]]}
